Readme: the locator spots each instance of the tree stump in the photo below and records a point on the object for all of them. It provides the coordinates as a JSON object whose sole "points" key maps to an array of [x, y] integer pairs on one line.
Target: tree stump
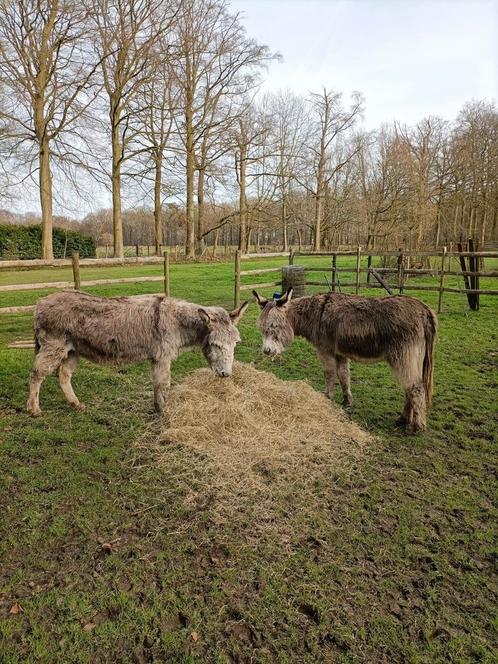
{"points": [[294, 276]]}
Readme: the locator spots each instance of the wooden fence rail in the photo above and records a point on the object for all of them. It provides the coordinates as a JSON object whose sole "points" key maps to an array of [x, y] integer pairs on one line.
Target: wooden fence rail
{"points": [[77, 283], [469, 274], [440, 272]]}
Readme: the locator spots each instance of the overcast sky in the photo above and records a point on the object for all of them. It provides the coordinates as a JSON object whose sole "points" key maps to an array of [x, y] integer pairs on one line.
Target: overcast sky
{"points": [[409, 58]]}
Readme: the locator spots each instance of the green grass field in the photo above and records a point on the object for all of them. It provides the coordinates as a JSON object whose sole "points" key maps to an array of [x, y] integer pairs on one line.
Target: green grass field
{"points": [[391, 558]]}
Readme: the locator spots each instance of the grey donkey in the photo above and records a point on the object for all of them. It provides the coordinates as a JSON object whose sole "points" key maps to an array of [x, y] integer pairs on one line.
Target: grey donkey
{"points": [[121, 330], [399, 330]]}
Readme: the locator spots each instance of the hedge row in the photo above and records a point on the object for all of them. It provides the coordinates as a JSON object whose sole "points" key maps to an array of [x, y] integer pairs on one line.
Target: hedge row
{"points": [[24, 242]]}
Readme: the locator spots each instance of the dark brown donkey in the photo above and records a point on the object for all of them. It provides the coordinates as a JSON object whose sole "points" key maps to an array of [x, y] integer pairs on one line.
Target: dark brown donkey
{"points": [[399, 330]]}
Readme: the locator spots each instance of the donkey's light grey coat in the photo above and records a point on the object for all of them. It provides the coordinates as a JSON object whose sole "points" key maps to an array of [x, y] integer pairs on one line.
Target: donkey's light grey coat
{"points": [[399, 330], [126, 329]]}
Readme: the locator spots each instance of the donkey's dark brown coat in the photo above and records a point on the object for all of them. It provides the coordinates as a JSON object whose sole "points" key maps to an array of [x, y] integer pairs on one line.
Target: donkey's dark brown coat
{"points": [[399, 330]]}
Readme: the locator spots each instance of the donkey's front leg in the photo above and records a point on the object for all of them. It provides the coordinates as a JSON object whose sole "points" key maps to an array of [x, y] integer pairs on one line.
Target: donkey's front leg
{"points": [[329, 368], [161, 379]]}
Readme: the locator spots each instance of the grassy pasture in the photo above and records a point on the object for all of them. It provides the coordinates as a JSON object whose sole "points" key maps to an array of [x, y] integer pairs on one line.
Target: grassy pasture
{"points": [[389, 559]]}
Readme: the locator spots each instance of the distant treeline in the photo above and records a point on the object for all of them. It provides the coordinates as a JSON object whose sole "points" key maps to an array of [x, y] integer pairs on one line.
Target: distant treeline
{"points": [[154, 100], [25, 242]]}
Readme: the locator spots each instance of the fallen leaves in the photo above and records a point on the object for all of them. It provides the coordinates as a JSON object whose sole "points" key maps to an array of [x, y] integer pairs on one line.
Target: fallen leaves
{"points": [[16, 609], [109, 547]]}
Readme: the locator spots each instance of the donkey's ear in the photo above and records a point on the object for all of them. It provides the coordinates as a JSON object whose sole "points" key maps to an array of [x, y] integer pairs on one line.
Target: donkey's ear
{"points": [[204, 316], [237, 314], [260, 300], [287, 297]]}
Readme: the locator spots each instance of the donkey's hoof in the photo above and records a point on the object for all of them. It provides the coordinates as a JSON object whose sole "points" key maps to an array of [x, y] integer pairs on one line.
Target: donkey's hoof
{"points": [[33, 410], [413, 428], [401, 422]]}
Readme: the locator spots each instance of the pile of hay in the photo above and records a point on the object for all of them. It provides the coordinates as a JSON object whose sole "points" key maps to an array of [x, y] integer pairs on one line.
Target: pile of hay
{"points": [[254, 417]]}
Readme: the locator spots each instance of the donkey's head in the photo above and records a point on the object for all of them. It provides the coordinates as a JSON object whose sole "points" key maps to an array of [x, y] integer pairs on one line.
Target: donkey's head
{"points": [[221, 337], [274, 323]]}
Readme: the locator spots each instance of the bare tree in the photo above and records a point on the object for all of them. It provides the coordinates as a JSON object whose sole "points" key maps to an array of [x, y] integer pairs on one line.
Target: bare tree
{"points": [[218, 63], [289, 135], [329, 122], [127, 37], [46, 71], [156, 118]]}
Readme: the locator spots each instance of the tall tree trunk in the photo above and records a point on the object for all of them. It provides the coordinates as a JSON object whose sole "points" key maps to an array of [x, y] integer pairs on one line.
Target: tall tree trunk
{"points": [[116, 189], [190, 166], [284, 225], [158, 227], [438, 225], [199, 236], [318, 222], [484, 224], [455, 222], [471, 220], [242, 200], [45, 179], [190, 239], [215, 241]]}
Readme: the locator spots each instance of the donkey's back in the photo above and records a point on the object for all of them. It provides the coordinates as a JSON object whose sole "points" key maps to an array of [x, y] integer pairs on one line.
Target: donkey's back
{"points": [[101, 328], [373, 328]]}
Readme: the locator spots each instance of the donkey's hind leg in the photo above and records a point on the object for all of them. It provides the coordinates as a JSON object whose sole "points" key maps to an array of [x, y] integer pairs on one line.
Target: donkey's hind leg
{"points": [[47, 360], [161, 378], [344, 376], [408, 370], [66, 370], [330, 370]]}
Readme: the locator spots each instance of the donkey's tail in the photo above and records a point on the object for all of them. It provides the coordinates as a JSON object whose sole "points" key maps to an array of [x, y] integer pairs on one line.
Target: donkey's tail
{"points": [[430, 333], [36, 333], [37, 343]]}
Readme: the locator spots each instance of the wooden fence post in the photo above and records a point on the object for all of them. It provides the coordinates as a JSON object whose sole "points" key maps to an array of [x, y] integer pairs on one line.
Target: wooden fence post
{"points": [[236, 295], [463, 267], [474, 279], [401, 272], [358, 258], [76, 270], [166, 274], [334, 271], [441, 281]]}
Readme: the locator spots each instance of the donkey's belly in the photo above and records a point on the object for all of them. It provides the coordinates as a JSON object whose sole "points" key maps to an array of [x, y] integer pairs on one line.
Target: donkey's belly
{"points": [[369, 349], [362, 358], [111, 351]]}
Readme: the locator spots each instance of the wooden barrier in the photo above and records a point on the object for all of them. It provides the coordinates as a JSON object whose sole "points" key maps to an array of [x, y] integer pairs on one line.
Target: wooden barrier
{"points": [[471, 286], [238, 273], [76, 270], [58, 285], [469, 274], [441, 282], [166, 274]]}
